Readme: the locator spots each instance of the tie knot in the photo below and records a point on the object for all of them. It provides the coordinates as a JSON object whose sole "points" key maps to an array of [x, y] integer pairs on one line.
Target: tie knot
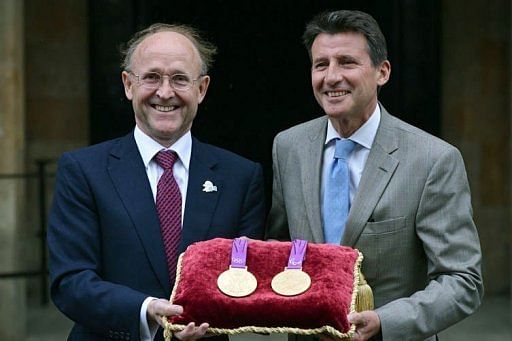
{"points": [[166, 158], [343, 148]]}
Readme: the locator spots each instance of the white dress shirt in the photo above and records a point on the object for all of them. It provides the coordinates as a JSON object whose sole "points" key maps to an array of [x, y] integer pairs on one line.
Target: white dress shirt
{"points": [[356, 161], [148, 148]]}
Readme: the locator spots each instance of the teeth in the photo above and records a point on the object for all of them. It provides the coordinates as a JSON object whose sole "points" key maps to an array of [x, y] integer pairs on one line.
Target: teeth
{"points": [[336, 93], [165, 108]]}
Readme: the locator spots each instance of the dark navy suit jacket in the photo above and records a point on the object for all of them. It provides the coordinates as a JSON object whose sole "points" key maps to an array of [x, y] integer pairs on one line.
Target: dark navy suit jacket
{"points": [[106, 250]]}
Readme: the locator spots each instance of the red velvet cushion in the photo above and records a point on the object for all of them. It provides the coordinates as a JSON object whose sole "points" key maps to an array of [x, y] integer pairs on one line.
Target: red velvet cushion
{"points": [[326, 304]]}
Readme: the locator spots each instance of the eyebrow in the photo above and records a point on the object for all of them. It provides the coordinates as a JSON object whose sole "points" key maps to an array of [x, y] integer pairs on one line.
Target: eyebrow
{"points": [[174, 72], [348, 58], [343, 57]]}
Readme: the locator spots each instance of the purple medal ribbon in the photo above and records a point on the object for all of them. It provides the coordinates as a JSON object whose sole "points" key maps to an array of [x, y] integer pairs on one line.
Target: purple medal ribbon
{"points": [[239, 253], [297, 254]]}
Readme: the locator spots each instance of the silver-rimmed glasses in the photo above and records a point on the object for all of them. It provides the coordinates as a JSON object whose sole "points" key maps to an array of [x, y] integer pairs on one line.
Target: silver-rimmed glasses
{"points": [[153, 80]]}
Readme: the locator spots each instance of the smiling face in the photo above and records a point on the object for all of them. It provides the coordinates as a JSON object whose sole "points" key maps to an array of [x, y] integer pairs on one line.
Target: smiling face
{"points": [[163, 113], [344, 79]]}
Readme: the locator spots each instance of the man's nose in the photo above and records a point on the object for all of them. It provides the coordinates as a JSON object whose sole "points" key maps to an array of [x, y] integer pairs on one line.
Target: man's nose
{"points": [[165, 90], [334, 74]]}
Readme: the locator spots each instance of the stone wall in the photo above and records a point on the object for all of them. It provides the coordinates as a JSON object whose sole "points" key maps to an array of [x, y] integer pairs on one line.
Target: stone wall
{"points": [[44, 111], [57, 101], [12, 147], [57, 73], [476, 110]]}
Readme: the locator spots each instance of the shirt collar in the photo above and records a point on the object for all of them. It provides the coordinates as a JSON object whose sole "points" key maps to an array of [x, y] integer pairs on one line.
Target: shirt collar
{"points": [[149, 147], [363, 136]]}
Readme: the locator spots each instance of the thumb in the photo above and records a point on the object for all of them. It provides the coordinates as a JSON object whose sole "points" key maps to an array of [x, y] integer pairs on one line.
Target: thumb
{"points": [[355, 318]]}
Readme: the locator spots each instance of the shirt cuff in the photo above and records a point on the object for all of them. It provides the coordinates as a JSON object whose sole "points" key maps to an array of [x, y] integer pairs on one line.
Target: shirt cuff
{"points": [[147, 330]]}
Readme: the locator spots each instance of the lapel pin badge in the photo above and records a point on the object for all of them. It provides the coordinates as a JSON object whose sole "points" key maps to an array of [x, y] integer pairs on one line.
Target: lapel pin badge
{"points": [[209, 187]]}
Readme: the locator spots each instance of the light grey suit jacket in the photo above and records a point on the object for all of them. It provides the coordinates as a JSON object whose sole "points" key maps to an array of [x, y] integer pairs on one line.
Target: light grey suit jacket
{"points": [[411, 218]]}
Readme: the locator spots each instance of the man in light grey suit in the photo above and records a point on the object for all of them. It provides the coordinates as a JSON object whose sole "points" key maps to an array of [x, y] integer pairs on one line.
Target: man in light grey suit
{"points": [[410, 206]]}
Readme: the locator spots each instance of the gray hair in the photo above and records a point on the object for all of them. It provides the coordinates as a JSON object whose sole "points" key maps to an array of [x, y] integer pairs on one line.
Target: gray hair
{"points": [[348, 21], [206, 49]]}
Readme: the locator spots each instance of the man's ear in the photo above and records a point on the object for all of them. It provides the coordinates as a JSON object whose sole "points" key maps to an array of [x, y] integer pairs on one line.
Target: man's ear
{"points": [[203, 87], [128, 84], [383, 73]]}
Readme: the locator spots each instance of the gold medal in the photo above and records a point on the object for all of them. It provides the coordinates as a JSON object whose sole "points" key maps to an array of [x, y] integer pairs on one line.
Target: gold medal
{"points": [[237, 282], [291, 282]]}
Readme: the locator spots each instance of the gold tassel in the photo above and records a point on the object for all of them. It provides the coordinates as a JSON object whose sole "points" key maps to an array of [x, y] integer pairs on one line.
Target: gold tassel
{"points": [[364, 298]]}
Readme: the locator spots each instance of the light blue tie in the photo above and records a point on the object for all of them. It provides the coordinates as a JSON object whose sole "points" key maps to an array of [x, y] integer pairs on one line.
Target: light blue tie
{"points": [[337, 193]]}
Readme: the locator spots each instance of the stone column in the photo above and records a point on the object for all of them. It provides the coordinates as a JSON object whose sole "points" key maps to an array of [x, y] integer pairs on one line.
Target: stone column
{"points": [[57, 105], [476, 118], [12, 147]]}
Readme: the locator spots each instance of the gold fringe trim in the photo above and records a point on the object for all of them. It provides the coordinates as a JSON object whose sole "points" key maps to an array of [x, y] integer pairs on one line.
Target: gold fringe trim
{"points": [[167, 330], [178, 275], [364, 296], [362, 299], [170, 328]]}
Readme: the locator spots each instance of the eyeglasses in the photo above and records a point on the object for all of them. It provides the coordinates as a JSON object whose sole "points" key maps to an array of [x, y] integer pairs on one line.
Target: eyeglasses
{"points": [[154, 80]]}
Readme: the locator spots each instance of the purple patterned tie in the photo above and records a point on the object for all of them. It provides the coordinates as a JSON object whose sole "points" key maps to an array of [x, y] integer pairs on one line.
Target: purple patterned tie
{"points": [[168, 206]]}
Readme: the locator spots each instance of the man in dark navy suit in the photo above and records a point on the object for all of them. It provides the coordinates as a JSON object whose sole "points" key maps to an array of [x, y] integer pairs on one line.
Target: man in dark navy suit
{"points": [[109, 261]]}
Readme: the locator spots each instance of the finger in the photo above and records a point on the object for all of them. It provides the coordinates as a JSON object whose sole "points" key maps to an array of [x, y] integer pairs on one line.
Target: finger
{"points": [[355, 318], [166, 308], [359, 319], [358, 337], [201, 330], [187, 332], [367, 324], [158, 308], [191, 332]]}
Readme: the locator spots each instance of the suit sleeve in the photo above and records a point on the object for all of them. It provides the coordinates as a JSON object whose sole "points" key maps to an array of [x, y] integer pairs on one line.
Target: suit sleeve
{"points": [[253, 212], [450, 241], [74, 242], [277, 223]]}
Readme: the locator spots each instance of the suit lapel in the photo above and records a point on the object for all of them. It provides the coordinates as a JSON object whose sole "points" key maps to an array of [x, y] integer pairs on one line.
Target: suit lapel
{"points": [[200, 205], [129, 177], [311, 175], [378, 170]]}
